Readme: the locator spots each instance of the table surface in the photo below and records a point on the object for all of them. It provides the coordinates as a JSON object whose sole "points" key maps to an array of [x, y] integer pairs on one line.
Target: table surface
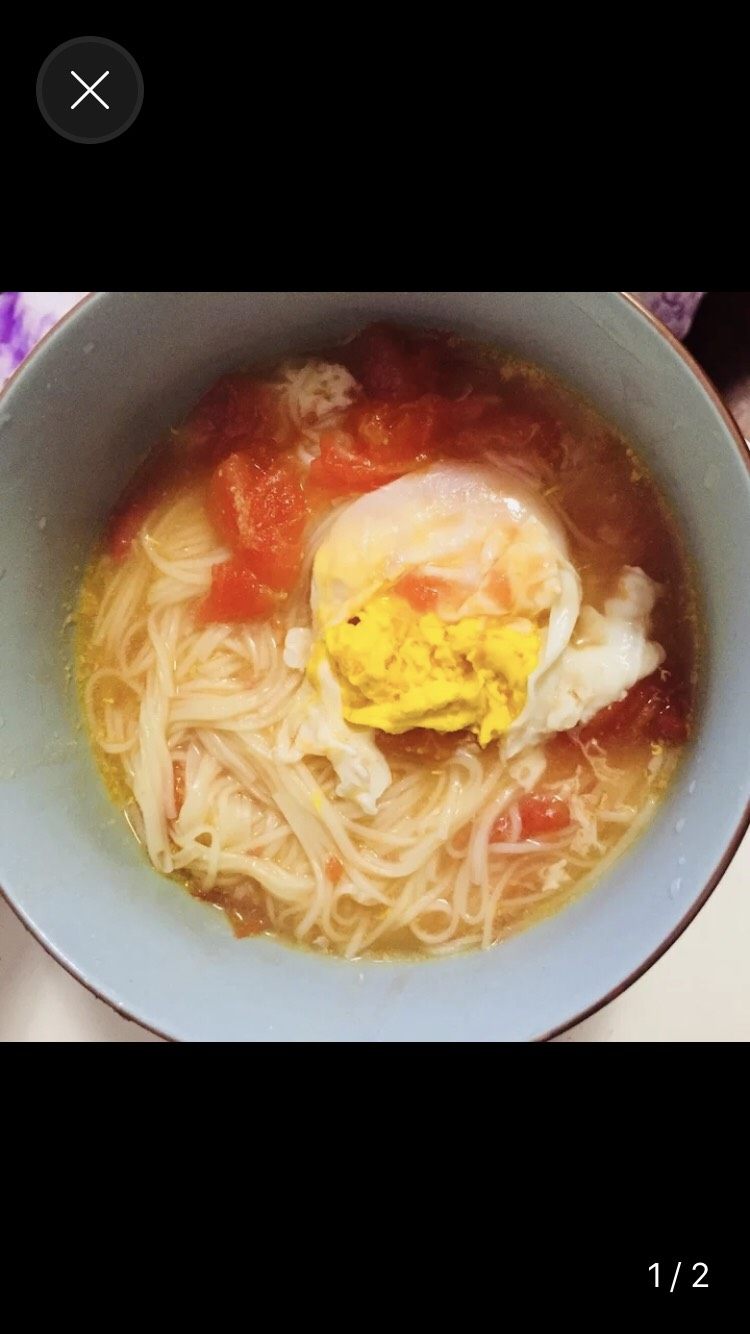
{"points": [[699, 990]]}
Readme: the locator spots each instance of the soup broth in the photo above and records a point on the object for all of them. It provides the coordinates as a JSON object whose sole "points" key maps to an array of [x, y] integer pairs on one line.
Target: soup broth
{"points": [[390, 649]]}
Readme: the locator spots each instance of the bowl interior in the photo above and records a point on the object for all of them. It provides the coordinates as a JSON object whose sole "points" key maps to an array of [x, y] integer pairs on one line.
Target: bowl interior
{"points": [[74, 422]]}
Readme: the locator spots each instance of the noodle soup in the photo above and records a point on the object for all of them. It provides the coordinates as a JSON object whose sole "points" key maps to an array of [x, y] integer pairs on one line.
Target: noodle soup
{"points": [[388, 650]]}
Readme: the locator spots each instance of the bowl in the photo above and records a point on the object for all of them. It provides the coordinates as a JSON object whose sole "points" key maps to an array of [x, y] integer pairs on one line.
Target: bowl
{"points": [[73, 422]]}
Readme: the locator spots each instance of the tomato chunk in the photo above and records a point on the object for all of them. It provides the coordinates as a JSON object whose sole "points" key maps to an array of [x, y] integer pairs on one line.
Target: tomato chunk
{"points": [[401, 364], [257, 505], [376, 444], [236, 593], [236, 409], [334, 870], [392, 364], [342, 469], [540, 814], [277, 563], [251, 503], [247, 920], [395, 432], [653, 710]]}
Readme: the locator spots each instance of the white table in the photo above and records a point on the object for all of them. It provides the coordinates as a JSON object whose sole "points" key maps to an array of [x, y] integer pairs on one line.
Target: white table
{"points": [[699, 991]]}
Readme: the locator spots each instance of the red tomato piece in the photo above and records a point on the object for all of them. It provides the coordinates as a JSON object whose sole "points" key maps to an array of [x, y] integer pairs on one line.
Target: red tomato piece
{"points": [[248, 921], [342, 469], [237, 409], [236, 593], [540, 814], [653, 710], [402, 364], [392, 364], [276, 562], [403, 431], [334, 870], [378, 443], [252, 504], [230, 498], [281, 507]]}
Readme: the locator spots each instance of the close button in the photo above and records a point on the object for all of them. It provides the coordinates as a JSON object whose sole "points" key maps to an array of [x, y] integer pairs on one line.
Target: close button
{"points": [[90, 90]]}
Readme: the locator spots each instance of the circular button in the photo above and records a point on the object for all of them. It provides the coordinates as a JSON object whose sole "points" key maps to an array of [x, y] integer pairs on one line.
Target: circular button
{"points": [[89, 90]]}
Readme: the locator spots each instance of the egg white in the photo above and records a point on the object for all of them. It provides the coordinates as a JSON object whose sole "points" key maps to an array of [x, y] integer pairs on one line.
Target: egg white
{"points": [[611, 653], [463, 523], [456, 521]]}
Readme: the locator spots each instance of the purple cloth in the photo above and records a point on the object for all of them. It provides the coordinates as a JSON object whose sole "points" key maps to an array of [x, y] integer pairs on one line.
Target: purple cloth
{"points": [[26, 316], [675, 309]]}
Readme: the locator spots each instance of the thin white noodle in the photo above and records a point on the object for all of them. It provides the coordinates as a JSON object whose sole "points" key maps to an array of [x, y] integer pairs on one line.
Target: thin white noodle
{"points": [[205, 702]]}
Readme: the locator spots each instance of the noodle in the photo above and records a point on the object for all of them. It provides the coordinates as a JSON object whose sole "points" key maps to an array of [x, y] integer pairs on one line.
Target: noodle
{"points": [[190, 713]]}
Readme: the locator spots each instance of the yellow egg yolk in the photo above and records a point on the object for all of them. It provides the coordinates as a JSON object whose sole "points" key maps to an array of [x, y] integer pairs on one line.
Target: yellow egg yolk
{"points": [[398, 669]]}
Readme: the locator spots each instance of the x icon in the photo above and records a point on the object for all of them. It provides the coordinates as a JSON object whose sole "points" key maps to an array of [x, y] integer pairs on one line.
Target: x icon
{"points": [[90, 90]]}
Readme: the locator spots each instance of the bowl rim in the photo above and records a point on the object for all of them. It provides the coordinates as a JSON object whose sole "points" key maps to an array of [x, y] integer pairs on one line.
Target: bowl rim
{"points": [[742, 446], [744, 822]]}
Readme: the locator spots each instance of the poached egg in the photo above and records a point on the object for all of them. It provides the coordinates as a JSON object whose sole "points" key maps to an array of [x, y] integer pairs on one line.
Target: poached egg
{"points": [[447, 600]]}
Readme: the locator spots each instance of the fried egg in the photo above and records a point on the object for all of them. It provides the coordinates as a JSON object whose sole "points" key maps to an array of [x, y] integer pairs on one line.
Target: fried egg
{"points": [[447, 600]]}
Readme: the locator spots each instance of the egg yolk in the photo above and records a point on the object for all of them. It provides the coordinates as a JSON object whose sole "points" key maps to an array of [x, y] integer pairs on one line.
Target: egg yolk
{"points": [[398, 669]]}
